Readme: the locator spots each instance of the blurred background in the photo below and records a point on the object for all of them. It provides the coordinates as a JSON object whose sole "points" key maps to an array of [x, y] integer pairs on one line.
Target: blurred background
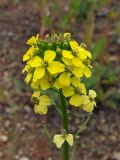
{"points": [[95, 22]]}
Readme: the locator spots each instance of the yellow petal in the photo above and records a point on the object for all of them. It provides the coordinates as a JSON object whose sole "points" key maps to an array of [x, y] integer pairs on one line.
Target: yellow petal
{"points": [[38, 74], [89, 54], [87, 72], [68, 91], [82, 56], [31, 40], [36, 62], [37, 37], [89, 107], [69, 139], [67, 34], [85, 99], [49, 56], [28, 78], [27, 68], [83, 53], [76, 100], [67, 54], [35, 109], [73, 45], [35, 85], [66, 61], [44, 83], [77, 71], [29, 54], [92, 94], [64, 79], [75, 81], [36, 94], [89, 65], [82, 88], [77, 62], [57, 84], [56, 67], [26, 57], [44, 100], [41, 109], [58, 140]]}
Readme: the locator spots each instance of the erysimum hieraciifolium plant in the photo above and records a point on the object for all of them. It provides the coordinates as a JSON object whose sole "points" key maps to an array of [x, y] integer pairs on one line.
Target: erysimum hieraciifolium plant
{"points": [[57, 63]]}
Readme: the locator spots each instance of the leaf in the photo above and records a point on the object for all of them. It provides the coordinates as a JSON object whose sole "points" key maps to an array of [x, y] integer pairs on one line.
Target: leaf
{"points": [[89, 31], [64, 22], [98, 47]]}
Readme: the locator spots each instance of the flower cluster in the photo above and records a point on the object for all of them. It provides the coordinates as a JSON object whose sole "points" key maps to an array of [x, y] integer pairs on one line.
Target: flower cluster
{"points": [[59, 139], [58, 62]]}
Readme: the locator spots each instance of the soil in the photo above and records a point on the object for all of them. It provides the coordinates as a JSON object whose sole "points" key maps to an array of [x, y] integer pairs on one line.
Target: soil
{"points": [[21, 131]]}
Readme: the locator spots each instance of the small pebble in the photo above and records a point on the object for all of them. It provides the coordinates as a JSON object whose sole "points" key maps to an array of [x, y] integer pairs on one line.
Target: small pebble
{"points": [[1, 154], [3, 138], [24, 158]]}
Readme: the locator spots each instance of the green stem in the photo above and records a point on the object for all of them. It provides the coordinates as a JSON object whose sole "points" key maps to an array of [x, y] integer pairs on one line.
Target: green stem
{"points": [[65, 125], [74, 149], [77, 135], [47, 132], [83, 126], [55, 90]]}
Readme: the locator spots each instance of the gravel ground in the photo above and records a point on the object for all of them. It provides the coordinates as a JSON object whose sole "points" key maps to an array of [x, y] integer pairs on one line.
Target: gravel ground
{"points": [[21, 133]]}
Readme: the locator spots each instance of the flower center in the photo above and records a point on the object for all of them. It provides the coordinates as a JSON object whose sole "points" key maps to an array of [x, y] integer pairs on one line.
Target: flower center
{"points": [[68, 68], [91, 99], [75, 53], [30, 70], [86, 62], [77, 90], [45, 64]]}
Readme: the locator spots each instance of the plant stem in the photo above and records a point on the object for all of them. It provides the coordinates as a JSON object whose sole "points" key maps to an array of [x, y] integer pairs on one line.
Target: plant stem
{"points": [[47, 132], [55, 90], [74, 149], [65, 125], [83, 126], [77, 135]]}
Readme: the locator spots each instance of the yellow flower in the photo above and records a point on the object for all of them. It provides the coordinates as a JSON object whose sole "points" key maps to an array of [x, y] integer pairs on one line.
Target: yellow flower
{"points": [[67, 54], [35, 85], [74, 45], [28, 77], [28, 69], [77, 71], [84, 54], [45, 82], [41, 65], [36, 95], [80, 54], [64, 78], [87, 68], [89, 101], [57, 84], [59, 139], [67, 34], [42, 106], [74, 92], [32, 40], [58, 62], [75, 52], [30, 53]]}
